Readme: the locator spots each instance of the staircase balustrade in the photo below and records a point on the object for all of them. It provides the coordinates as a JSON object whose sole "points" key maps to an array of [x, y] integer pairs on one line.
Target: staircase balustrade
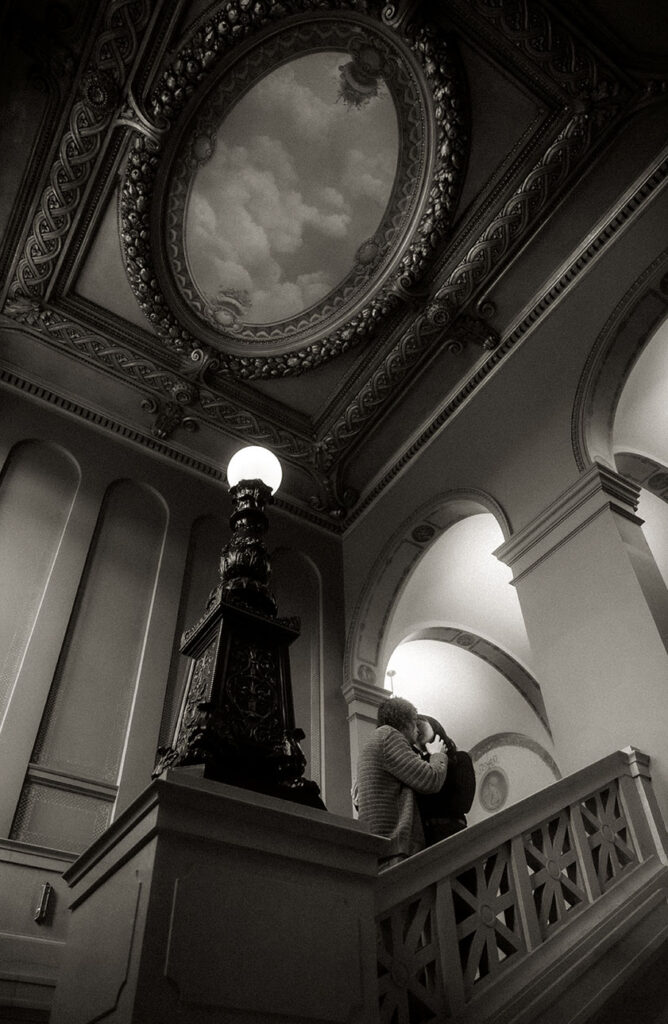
{"points": [[487, 924]]}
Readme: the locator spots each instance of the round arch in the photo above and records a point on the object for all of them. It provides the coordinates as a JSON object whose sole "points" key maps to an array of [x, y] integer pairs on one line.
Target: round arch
{"points": [[365, 654], [518, 677], [628, 329], [514, 739]]}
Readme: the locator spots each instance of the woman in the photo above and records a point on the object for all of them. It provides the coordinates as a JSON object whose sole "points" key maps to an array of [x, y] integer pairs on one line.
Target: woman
{"points": [[440, 815]]}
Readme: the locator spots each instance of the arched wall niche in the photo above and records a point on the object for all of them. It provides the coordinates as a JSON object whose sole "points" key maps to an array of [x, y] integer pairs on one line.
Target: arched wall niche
{"points": [[297, 584], [630, 328], [640, 449], [477, 692], [366, 648], [38, 486], [72, 779], [507, 767]]}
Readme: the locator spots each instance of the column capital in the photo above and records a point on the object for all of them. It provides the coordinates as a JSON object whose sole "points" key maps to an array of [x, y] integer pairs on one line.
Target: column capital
{"points": [[598, 489], [364, 698]]}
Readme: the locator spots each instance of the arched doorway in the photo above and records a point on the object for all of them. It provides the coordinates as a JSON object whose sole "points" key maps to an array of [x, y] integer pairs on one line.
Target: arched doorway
{"points": [[445, 629]]}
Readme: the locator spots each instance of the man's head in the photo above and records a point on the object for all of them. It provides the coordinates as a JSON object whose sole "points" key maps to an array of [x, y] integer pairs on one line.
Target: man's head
{"points": [[425, 731], [401, 715]]}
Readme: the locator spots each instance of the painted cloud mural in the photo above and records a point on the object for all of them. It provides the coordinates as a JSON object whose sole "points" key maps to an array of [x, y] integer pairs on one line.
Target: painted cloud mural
{"points": [[295, 183]]}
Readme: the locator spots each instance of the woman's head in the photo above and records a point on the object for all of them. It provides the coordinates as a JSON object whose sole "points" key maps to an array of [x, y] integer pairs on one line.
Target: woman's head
{"points": [[425, 731]]}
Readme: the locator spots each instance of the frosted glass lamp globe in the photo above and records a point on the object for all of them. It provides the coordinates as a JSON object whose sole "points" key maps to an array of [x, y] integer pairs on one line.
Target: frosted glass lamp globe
{"points": [[255, 463]]}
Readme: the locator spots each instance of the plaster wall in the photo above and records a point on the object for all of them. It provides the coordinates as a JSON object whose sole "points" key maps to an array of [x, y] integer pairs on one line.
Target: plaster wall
{"points": [[595, 647], [59, 596], [459, 582], [472, 700], [601, 659]]}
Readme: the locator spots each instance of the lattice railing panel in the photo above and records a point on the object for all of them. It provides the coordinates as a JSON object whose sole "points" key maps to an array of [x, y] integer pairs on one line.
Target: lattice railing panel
{"points": [[455, 920], [410, 980], [485, 908], [555, 870], [609, 836]]}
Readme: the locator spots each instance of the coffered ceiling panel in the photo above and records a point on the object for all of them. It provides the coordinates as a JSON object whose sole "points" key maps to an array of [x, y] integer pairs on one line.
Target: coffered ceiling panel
{"points": [[284, 223]]}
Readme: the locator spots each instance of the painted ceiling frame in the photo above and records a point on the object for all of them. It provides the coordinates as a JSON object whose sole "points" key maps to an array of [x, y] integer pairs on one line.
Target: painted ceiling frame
{"points": [[445, 306], [422, 77]]}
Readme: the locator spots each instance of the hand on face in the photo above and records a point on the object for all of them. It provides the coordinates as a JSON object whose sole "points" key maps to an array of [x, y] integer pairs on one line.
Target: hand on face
{"points": [[436, 746]]}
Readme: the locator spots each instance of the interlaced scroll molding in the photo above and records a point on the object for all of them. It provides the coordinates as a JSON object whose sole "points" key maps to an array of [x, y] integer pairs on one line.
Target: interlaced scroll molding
{"points": [[233, 24], [548, 44], [519, 214], [141, 371], [99, 90]]}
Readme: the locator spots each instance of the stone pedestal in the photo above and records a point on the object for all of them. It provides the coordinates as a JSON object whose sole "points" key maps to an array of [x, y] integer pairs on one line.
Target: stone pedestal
{"points": [[204, 901]]}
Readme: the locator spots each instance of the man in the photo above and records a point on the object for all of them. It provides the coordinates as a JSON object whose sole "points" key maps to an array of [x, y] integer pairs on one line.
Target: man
{"points": [[389, 774]]}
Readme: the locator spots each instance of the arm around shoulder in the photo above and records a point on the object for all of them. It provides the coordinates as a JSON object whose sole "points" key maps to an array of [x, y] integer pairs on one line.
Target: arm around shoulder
{"points": [[406, 764]]}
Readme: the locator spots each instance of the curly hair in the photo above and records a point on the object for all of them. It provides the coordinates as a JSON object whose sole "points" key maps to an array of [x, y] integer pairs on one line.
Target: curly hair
{"points": [[397, 712]]}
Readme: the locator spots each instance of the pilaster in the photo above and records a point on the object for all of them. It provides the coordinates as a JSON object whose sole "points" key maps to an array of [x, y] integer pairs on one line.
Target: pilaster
{"points": [[363, 700], [595, 492], [596, 612]]}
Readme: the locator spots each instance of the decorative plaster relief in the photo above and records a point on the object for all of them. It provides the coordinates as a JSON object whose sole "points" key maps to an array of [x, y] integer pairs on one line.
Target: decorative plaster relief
{"points": [[196, 96], [392, 568], [113, 55]]}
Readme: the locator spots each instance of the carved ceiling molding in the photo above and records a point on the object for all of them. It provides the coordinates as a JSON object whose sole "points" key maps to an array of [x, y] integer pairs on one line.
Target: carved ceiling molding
{"points": [[550, 45], [374, 255], [153, 443], [518, 216], [135, 368], [581, 263], [50, 397], [199, 63], [100, 86]]}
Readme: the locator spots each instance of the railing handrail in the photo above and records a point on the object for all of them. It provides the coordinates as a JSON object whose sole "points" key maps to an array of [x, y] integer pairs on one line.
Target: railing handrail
{"points": [[458, 922], [431, 864]]}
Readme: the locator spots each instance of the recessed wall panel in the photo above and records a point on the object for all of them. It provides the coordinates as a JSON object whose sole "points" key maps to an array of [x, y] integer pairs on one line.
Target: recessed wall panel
{"points": [[60, 818], [296, 584], [86, 719], [37, 489]]}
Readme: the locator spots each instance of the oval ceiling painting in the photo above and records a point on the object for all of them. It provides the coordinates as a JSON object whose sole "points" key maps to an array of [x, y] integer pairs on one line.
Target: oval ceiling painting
{"points": [[287, 190], [292, 187]]}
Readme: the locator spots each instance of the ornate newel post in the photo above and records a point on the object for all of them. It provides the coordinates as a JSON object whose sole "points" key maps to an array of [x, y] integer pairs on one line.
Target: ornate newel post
{"points": [[237, 719]]}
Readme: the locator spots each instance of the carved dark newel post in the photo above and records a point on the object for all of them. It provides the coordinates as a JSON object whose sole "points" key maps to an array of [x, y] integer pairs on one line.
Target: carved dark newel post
{"points": [[237, 720]]}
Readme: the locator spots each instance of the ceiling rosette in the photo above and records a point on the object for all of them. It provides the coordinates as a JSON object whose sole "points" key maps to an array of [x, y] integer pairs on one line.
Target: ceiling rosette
{"points": [[259, 247]]}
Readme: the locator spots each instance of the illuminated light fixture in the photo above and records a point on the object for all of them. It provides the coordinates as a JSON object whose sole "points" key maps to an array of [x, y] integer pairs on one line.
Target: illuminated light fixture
{"points": [[255, 463], [237, 719]]}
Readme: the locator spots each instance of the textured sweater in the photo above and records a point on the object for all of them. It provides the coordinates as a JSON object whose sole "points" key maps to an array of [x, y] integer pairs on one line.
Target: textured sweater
{"points": [[389, 773]]}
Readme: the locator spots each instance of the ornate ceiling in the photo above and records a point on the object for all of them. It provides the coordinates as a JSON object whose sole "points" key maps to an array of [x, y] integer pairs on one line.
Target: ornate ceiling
{"points": [[283, 223]]}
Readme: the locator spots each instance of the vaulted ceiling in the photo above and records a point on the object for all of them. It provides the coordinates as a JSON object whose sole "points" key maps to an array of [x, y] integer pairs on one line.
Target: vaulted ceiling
{"points": [[285, 223]]}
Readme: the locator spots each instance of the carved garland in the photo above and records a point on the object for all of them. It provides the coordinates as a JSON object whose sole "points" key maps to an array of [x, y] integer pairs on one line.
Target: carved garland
{"points": [[375, 253], [517, 216], [115, 358], [238, 21], [91, 113]]}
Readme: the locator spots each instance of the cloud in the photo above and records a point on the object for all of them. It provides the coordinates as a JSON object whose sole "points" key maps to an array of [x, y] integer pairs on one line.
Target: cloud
{"points": [[283, 203], [286, 298], [369, 176], [297, 106]]}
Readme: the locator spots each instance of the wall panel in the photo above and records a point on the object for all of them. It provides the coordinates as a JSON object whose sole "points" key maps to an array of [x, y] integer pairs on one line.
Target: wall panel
{"points": [[37, 490], [83, 730]]}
